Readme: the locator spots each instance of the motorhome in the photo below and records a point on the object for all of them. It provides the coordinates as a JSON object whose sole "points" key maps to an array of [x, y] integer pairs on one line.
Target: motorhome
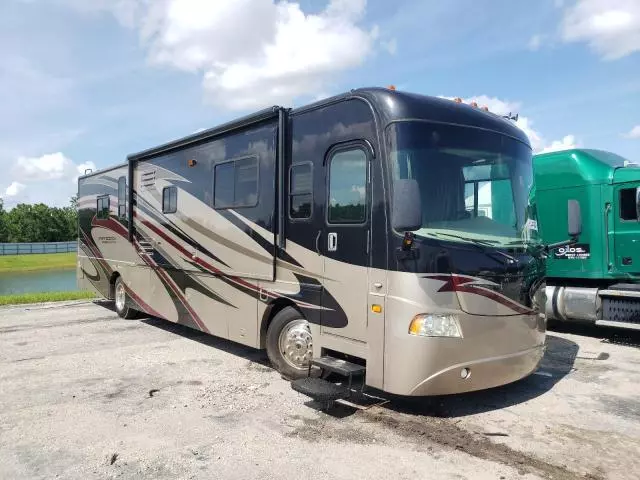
{"points": [[379, 230]]}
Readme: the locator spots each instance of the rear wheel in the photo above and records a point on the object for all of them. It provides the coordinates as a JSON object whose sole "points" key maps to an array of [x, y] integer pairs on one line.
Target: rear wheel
{"points": [[289, 343], [121, 298]]}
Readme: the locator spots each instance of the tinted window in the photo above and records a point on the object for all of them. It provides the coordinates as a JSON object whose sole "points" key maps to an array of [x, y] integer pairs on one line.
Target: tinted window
{"points": [[103, 207], [628, 204], [300, 191], [122, 197], [223, 188], [348, 186], [470, 180], [236, 183], [246, 184], [169, 199]]}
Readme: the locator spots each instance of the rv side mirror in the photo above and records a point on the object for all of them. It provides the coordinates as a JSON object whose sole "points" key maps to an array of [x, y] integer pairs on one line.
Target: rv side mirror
{"points": [[638, 203], [406, 214], [574, 218]]}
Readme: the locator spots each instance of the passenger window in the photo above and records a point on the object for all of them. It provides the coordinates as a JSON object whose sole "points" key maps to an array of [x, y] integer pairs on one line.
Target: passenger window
{"points": [[347, 187], [169, 199], [246, 182], [236, 183], [103, 207], [628, 204], [300, 191], [122, 197]]}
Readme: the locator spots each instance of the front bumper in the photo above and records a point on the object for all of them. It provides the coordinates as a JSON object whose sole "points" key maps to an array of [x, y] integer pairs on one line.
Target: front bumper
{"points": [[484, 373]]}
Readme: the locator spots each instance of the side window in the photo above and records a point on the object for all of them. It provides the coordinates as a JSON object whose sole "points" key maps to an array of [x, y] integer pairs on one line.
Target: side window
{"points": [[102, 209], [122, 197], [169, 199], [348, 186], [236, 183], [300, 191], [628, 204]]}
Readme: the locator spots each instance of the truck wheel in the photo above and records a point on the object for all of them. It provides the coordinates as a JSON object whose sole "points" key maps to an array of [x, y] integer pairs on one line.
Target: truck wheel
{"points": [[121, 301], [289, 343]]}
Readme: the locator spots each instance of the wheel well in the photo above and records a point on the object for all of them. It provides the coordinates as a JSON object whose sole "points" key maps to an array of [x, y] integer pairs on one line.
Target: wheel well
{"points": [[270, 312], [112, 285]]}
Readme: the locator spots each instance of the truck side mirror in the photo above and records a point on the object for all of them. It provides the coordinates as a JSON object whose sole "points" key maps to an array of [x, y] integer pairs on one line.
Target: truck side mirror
{"points": [[406, 214], [638, 203], [574, 217]]}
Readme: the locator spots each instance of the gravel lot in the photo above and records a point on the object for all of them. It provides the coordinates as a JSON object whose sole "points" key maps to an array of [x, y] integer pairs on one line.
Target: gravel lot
{"points": [[84, 394]]}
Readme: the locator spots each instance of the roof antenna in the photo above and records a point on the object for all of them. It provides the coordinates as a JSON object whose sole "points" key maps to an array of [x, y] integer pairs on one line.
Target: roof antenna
{"points": [[511, 116]]}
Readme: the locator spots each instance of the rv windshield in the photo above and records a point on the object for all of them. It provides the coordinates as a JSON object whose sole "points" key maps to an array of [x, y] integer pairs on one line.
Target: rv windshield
{"points": [[474, 183]]}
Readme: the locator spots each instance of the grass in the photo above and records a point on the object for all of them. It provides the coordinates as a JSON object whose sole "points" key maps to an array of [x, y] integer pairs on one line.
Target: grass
{"points": [[44, 297], [44, 261]]}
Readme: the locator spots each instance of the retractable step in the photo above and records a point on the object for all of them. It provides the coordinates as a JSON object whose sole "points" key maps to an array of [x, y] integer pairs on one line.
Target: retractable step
{"points": [[324, 391], [320, 390], [339, 366]]}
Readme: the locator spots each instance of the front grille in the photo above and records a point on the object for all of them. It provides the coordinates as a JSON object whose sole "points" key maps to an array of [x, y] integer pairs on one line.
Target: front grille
{"points": [[621, 309]]}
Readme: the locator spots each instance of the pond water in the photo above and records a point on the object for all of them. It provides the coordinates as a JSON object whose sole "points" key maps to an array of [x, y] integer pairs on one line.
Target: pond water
{"points": [[35, 282]]}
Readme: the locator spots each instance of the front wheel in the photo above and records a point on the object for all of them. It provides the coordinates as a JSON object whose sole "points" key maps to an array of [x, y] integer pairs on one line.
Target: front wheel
{"points": [[289, 343], [122, 309]]}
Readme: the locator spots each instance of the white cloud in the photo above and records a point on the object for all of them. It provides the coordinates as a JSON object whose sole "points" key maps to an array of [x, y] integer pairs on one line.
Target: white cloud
{"points": [[568, 142], [390, 46], [14, 189], [634, 133], [52, 166], [50, 179], [250, 53], [610, 27], [360, 190], [535, 42]]}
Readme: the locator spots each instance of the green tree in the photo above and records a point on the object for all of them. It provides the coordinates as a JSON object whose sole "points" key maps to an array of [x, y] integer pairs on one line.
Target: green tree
{"points": [[4, 234], [40, 223]]}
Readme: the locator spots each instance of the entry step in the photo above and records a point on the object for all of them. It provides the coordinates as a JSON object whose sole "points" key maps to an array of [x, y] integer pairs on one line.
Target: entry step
{"points": [[319, 389], [339, 366]]}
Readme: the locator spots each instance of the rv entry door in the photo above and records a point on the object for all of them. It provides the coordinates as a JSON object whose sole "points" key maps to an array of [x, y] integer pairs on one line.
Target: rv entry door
{"points": [[346, 231]]}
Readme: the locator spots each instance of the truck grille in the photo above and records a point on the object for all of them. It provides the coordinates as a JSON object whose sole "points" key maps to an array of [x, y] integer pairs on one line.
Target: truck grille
{"points": [[621, 309]]}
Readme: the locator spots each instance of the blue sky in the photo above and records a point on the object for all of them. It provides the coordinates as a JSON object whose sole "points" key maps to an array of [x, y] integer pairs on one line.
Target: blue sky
{"points": [[84, 83]]}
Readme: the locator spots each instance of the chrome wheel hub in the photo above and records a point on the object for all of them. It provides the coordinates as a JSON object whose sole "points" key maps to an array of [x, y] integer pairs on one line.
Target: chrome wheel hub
{"points": [[120, 297], [296, 344]]}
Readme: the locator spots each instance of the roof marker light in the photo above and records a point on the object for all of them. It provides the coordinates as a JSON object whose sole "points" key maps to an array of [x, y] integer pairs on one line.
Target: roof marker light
{"points": [[391, 87], [457, 100], [474, 104]]}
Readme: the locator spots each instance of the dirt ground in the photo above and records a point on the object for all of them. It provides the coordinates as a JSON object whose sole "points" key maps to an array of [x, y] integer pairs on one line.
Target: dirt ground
{"points": [[84, 394]]}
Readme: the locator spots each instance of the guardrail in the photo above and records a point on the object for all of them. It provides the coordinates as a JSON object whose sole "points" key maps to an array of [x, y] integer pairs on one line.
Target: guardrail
{"points": [[37, 247]]}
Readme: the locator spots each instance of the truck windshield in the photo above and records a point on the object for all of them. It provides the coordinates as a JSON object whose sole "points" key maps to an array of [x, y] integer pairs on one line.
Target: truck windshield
{"points": [[474, 183]]}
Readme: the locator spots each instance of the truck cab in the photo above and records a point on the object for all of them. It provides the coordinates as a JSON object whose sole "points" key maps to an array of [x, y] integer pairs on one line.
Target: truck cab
{"points": [[596, 279]]}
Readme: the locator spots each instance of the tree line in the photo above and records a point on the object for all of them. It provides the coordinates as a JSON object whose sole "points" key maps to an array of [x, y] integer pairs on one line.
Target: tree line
{"points": [[38, 223]]}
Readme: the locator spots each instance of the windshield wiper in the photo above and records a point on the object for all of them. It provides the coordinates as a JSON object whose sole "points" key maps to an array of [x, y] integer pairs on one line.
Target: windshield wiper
{"points": [[481, 244]]}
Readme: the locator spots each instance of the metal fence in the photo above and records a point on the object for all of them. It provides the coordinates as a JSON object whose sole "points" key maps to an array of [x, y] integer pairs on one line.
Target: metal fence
{"points": [[34, 248]]}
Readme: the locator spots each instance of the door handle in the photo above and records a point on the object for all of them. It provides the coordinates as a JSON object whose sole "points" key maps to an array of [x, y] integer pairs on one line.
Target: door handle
{"points": [[318, 241], [332, 242], [377, 285]]}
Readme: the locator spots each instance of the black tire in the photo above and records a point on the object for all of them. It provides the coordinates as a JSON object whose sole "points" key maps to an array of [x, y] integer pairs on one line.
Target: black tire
{"points": [[122, 309], [287, 318]]}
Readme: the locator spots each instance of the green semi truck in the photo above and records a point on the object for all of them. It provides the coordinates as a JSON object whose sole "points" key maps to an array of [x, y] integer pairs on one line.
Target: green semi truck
{"points": [[597, 278]]}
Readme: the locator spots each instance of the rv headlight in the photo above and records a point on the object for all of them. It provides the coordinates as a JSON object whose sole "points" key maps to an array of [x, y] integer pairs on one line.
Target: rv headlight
{"points": [[435, 325]]}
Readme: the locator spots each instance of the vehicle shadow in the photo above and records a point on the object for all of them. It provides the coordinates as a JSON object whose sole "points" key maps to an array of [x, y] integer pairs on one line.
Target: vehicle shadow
{"points": [[251, 354], [558, 361], [616, 336]]}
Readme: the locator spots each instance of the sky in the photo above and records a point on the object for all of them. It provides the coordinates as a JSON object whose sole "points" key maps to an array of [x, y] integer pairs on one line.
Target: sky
{"points": [[84, 83]]}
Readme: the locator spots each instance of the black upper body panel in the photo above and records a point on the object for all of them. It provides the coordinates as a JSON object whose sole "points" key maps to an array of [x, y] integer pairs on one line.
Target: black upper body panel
{"points": [[392, 105]]}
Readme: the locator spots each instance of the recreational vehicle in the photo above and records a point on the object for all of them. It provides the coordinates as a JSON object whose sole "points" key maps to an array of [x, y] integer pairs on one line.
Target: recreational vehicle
{"points": [[346, 234]]}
